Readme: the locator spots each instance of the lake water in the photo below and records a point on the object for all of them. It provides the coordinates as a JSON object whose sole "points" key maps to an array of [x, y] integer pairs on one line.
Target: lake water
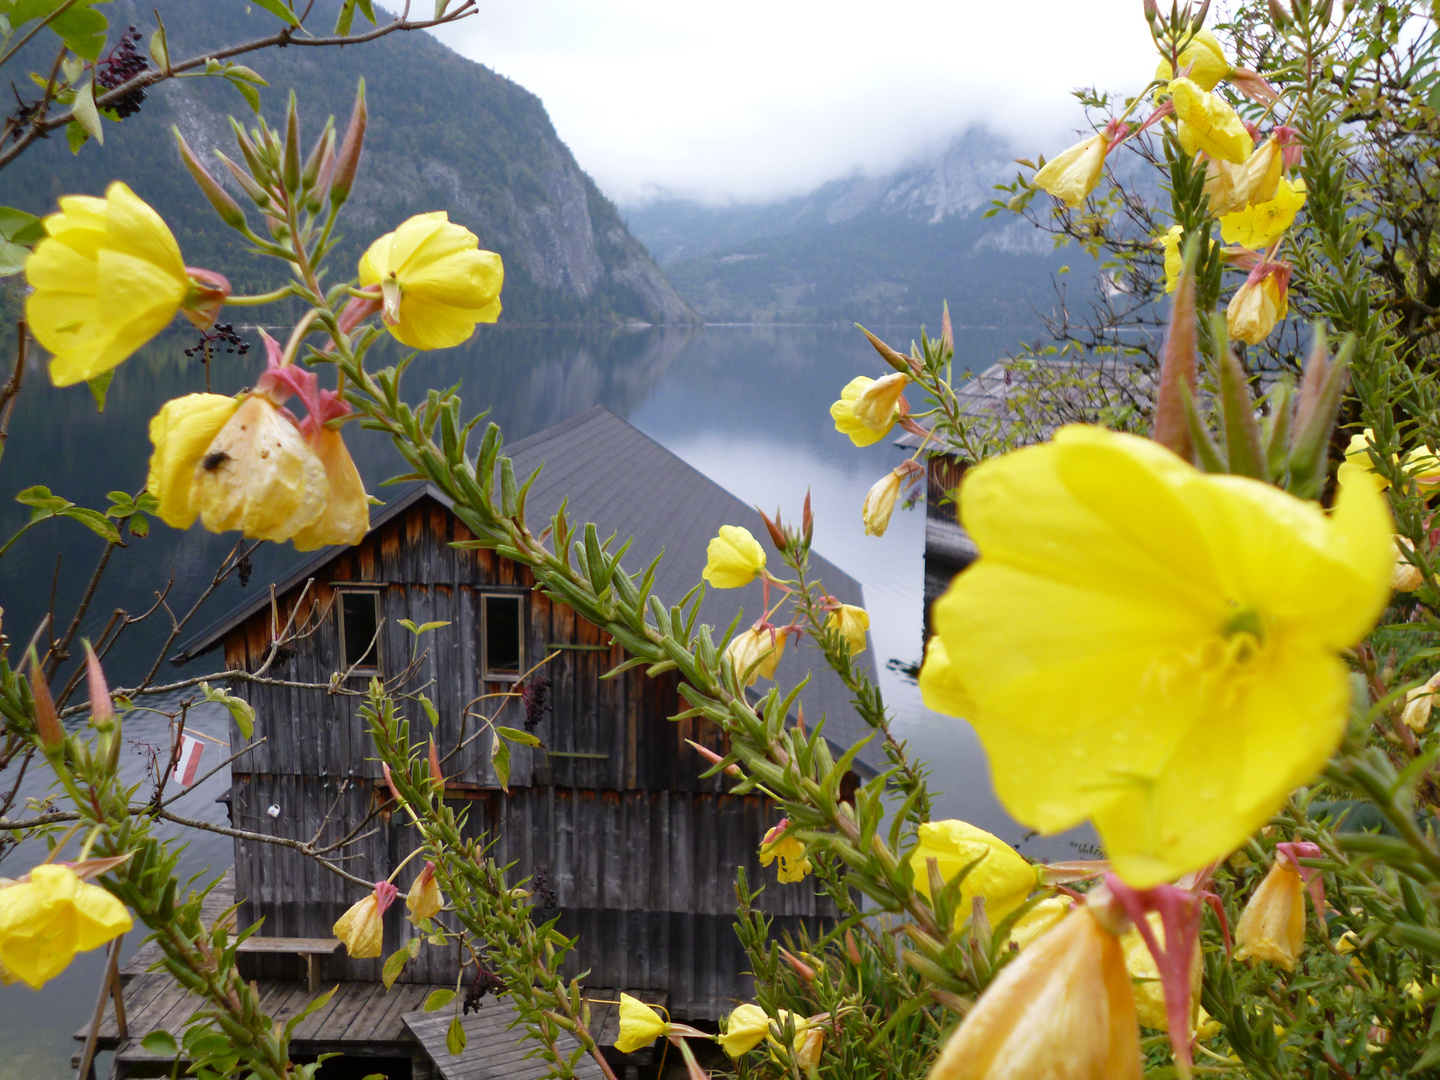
{"points": [[748, 406]]}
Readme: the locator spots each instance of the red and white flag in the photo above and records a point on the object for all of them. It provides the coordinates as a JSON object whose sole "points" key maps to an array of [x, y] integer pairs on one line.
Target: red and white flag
{"points": [[185, 768]]}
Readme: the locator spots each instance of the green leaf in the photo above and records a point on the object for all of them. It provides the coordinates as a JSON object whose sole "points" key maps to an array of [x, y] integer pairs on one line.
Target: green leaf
{"points": [[161, 1043], [240, 710], [309, 1010], [394, 965], [20, 228], [250, 75], [139, 526], [423, 627], [500, 759], [41, 498], [159, 49], [438, 999], [248, 92], [524, 738], [347, 16], [99, 387], [367, 8], [430, 710], [455, 1038], [278, 9], [12, 258], [87, 114], [79, 26], [93, 520], [75, 136]]}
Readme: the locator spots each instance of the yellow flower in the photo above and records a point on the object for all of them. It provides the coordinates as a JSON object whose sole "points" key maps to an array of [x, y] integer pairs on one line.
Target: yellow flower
{"points": [[1423, 467], [880, 503], [182, 432], [1002, 876], [809, 1039], [733, 559], [424, 900], [1359, 465], [640, 1025], [1272, 926], [1041, 917], [812, 1044], [1405, 576], [346, 517], [1145, 978], [1208, 124], [361, 928], [1205, 58], [1190, 624], [790, 851], [435, 282], [762, 648], [45, 921], [1261, 302], [940, 687], [1170, 242], [1418, 703], [107, 279], [1062, 1008], [851, 623], [746, 1029], [878, 404], [1259, 225], [848, 423], [1073, 173]]}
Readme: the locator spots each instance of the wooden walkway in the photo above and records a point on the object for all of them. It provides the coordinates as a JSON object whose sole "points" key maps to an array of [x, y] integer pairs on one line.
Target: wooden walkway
{"points": [[493, 1049]]}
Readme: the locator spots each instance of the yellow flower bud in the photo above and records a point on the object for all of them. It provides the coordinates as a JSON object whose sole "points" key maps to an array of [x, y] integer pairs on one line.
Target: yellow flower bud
{"points": [[1073, 173], [361, 927], [640, 1025], [46, 920], [746, 1028], [733, 559], [424, 900], [1256, 307], [1003, 877], [851, 623], [1272, 926], [791, 852], [880, 503], [1064, 999], [760, 648], [1204, 56], [878, 404], [182, 432], [435, 282], [1260, 224], [1208, 124], [107, 279]]}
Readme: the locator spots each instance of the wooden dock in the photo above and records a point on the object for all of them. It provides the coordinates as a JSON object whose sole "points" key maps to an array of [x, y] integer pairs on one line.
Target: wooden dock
{"points": [[362, 1020]]}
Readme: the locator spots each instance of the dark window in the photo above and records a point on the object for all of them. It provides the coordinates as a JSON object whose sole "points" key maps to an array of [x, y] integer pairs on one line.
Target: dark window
{"points": [[502, 617], [359, 618]]}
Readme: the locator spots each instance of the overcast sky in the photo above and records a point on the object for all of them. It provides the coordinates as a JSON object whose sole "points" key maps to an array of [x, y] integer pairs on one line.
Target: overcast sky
{"points": [[752, 99]]}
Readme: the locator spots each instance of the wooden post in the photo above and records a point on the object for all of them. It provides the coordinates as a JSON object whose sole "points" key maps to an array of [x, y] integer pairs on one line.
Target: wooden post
{"points": [[312, 972], [108, 986]]}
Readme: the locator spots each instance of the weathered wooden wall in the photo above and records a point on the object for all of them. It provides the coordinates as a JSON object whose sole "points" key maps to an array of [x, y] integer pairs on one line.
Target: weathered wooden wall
{"points": [[640, 853]]}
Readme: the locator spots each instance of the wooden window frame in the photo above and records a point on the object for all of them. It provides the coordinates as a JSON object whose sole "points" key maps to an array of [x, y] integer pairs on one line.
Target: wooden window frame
{"points": [[377, 661], [518, 597]]}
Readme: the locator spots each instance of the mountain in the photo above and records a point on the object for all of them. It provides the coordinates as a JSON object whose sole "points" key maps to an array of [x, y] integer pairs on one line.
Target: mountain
{"points": [[882, 248], [445, 133]]}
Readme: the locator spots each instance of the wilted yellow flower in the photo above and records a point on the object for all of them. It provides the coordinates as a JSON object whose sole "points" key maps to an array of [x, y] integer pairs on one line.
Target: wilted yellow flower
{"points": [[46, 920], [940, 687], [1042, 916], [760, 647], [1190, 624], [1205, 58], [1073, 173], [424, 900], [346, 517], [847, 423], [435, 282], [640, 1025], [1255, 180], [1418, 703], [361, 928], [1003, 876], [182, 432], [733, 559], [1259, 225], [851, 623], [1062, 1008], [1272, 926], [1170, 242], [1261, 302], [107, 279], [791, 852], [812, 1044], [746, 1029], [1208, 124], [880, 502], [879, 403]]}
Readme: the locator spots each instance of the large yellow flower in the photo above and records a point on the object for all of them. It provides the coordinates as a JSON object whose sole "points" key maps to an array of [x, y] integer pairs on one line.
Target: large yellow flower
{"points": [[852, 623], [362, 927], [640, 1025], [1204, 56], [435, 282], [1231, 188], [1154, 648], [107, 279], [1073, 173], [1208, 124], [733, 559], [346, 517], [1002, 876], [182, 432], [848, 422], [794, 864], [1261, 224], [746, 1028], [45, 921]]}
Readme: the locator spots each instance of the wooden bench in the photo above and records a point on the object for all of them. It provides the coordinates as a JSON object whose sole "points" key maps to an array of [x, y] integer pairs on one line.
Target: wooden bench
{"points": [[312, 949]]}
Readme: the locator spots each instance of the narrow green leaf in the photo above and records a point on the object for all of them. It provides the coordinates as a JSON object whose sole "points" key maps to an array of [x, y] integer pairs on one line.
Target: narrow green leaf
{"points": [[438, 999], [500, 760], [394, 965], [455, 1038], [430, 711], [279, 9], [347, 16]]}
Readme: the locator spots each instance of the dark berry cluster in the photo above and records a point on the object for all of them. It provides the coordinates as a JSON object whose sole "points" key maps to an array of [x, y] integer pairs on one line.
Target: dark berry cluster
{"points": [[119, 66], [485, 981], [221, 334], [536, 696], [540, 886]]}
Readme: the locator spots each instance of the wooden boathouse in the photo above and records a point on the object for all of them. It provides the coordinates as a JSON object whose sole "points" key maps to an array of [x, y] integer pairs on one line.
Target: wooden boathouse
{"points": [[637, 851]]}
